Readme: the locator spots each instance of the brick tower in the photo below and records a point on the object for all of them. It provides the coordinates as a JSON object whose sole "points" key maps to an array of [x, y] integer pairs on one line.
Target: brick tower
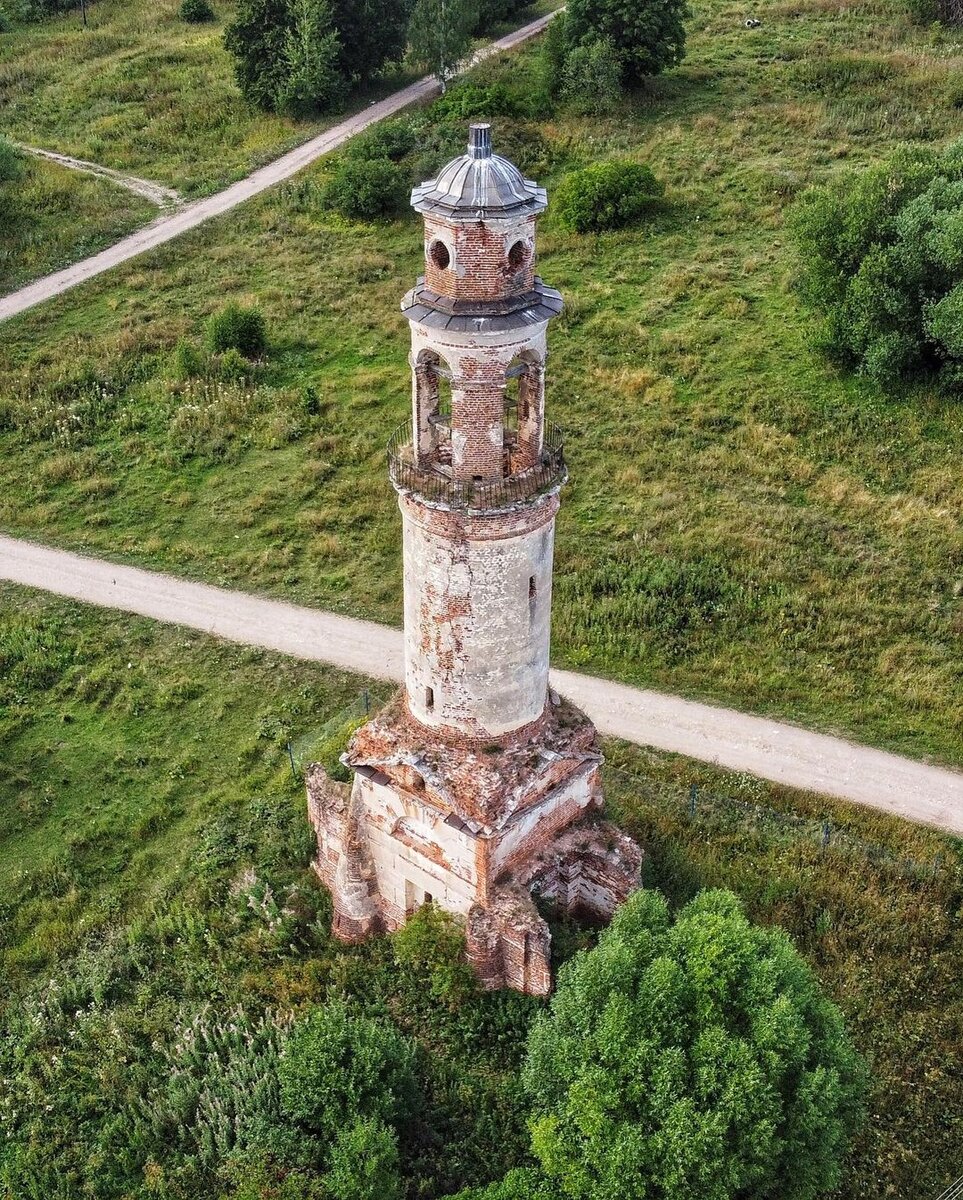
{"points": [[477, 786]]}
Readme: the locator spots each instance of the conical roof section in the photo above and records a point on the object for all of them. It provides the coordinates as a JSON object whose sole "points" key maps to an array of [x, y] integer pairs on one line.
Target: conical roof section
{"points": [[479, 184]]}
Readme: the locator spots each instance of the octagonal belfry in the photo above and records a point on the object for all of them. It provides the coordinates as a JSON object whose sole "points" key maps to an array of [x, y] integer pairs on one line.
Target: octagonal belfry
{"points": [[477, 787]]}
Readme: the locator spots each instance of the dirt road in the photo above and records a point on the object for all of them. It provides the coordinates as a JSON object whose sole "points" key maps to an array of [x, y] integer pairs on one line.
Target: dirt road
{"points": [[769, 749], [165, 228]]}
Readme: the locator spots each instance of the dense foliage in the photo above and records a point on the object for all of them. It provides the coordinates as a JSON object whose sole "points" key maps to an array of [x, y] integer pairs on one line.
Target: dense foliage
{"points": [[196, 12], [691, 1057], [598, 47], [606, 195], [301, 56], [881, 256], [364, 188], [237, 327], [439, 35]]}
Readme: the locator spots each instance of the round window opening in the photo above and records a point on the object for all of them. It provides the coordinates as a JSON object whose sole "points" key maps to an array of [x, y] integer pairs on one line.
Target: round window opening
{"points": [[439, 255], [518, 256]]}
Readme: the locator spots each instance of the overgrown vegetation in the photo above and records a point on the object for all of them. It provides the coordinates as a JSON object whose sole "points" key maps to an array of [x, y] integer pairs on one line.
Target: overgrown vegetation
{"points": [[746, 522], [171, 987], [881, 255], [51, 215], [694, 1056]]}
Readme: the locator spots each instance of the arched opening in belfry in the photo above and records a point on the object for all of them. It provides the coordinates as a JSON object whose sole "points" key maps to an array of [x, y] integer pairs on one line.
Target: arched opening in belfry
{"points": [[522, 416], [432, 408]]}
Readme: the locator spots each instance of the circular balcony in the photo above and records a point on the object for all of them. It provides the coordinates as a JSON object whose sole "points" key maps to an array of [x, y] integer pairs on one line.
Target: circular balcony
{"points": [[431, 480]]}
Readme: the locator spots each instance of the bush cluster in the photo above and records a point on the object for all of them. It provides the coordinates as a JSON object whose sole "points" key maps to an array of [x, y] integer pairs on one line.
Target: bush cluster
{"points": [[196, 12], [606, 195], [881, 260], [239, 328], [598, 48]]}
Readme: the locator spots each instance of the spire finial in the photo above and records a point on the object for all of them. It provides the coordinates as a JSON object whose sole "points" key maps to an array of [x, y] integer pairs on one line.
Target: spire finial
{"points": [[480, 140]]}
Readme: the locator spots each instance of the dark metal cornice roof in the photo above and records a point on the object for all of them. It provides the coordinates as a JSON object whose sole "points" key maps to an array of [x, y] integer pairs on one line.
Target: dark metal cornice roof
{"points": [[428, 308]]}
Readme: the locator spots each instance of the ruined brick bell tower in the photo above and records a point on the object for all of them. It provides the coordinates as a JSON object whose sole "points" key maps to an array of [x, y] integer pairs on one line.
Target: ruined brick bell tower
{"points": [[477, 786]]}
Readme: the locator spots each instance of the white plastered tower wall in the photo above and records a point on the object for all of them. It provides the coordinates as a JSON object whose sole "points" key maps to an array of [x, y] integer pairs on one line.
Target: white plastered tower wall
{"points": [[476, 786]]}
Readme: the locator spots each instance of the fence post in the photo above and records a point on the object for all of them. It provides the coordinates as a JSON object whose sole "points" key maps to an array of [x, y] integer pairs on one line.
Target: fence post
{"points": [[827, 833], [693, 794], [367, 703], [294, 774]]}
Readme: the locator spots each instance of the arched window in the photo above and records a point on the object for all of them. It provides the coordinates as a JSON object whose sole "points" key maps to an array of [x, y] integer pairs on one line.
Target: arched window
{"points": [[439, 254], [522, 417], [433, 407]]}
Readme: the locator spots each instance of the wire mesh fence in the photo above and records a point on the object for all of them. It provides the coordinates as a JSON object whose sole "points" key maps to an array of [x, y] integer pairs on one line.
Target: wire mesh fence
{"points": [[311, 745]]}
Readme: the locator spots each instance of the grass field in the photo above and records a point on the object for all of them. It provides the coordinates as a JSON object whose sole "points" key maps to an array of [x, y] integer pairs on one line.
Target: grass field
{"points": [[744, 523], [143, 91], [139, 90], [60, 216], [150, 822]]}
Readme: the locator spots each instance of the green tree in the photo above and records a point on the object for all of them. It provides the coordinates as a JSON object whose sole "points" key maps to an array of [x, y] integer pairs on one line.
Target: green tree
{"points": [[257, 38], [364, 1163], [648, 34], [695, 1057], [592, 78], [312, 81], [881, 256], [439, 36], [373, 32], [338, 1067]]}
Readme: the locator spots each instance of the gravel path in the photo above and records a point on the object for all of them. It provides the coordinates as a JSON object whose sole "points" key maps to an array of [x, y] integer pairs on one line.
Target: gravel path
{"points": [[163, 197], [770, 749], [165, 228]]}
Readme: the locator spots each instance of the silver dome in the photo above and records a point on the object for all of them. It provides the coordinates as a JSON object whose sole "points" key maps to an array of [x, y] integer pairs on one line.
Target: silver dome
{"points": [[479, 184]]}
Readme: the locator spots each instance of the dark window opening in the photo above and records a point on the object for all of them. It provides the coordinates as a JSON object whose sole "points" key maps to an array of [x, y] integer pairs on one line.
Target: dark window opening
{"points": [[429, 698], [439, 255], [428, 897], [518, 256], [532, 597]]}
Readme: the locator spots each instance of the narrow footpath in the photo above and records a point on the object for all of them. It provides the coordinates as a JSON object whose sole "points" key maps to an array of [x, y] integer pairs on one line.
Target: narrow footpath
{"points": [[166, 228], [770, 749], [163, 197]]}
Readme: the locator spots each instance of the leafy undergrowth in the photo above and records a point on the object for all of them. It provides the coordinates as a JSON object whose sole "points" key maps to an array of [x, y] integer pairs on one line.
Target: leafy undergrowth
{"points": [[157, 903], [742, 522]]}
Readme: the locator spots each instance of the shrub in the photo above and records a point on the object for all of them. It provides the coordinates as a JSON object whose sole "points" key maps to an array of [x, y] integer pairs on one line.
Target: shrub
{"points": [[649, 35], [468, 101], [364, 1163], [338, 1067], [196, 12], [521, 1184], [430, 955], [239, 328], [591, 78], [692, 1057], [388, 139], [606, 195], [365, 188], [187, 362], [881, 256]]}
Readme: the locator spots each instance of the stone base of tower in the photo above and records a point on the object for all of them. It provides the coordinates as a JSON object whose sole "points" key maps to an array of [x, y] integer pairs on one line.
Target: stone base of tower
{"points": [[478, 829]]}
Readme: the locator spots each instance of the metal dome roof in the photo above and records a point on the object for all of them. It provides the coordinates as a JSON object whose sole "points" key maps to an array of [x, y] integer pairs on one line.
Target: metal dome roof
{"points": [[479, 184]]}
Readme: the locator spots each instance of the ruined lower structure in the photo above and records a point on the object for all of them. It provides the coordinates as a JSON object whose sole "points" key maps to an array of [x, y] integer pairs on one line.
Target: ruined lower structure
{"points": [[477, 788]]}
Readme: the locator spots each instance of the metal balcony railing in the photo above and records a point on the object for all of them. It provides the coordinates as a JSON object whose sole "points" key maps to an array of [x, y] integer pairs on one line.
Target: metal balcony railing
{"points": [[426, 480]]}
